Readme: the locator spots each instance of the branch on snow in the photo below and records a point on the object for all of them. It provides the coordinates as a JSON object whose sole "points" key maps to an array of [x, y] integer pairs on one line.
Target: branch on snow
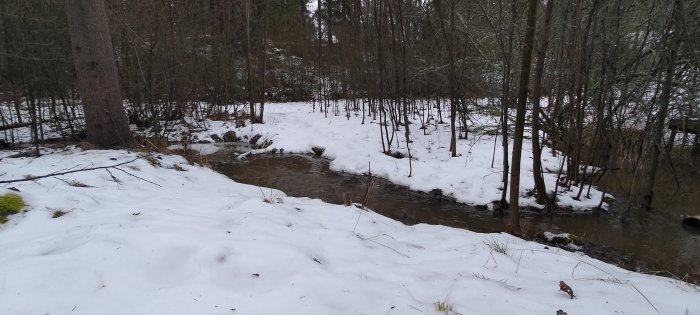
{"points": [[32, 178]]}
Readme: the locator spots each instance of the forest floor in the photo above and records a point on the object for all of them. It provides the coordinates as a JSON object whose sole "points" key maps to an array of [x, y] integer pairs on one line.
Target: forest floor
{"points": [[151, 234], [474, 177]]}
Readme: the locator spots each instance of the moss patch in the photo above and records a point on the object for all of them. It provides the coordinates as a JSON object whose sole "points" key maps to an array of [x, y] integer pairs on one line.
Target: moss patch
{"points": [[216, 138], [230, 136], [10, 204]]}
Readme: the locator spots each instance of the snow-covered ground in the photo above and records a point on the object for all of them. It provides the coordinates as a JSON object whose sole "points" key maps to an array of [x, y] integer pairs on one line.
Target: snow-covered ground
{"points": [[355, 147], [143, 238]]}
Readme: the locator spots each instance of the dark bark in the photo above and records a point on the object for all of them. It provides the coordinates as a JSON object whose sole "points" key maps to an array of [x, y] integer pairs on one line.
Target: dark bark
{"points": [[521, 108], [97, 79], [451, 75], [505, 103], [664, 101], [263, 57], [540, 188], [251, 102], [15, 125]]}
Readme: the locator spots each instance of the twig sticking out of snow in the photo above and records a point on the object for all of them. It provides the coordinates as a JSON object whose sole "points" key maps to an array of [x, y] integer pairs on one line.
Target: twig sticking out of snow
{"points": [[616, 280], [378, 243], [611, 279], [370, 183]]}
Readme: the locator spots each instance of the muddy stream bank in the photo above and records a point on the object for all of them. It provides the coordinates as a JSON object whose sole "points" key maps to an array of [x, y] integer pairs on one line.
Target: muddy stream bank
{"points": [[653, 242]]}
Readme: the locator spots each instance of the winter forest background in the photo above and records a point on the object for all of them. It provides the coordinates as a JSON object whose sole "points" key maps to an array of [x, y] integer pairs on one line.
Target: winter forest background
{"points": [[599, 81]]}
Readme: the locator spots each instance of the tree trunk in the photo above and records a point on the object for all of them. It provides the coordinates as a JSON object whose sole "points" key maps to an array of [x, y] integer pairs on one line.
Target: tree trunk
{"points": [[319, 53], [263, 57], [540, 188], [97, 80], [521, 108], [453, 82], [664, 100], [505, 103], [451, 76], [248, 62]]}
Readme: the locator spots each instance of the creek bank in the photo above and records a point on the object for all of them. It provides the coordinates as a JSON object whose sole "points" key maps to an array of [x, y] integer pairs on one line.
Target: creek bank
{"points": [[645, 246], [173, 238]]}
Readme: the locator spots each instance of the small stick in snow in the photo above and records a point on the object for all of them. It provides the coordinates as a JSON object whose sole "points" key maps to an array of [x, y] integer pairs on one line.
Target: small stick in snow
{"points": [[413, 307], [356, 222], [489, 258], [373, 241], [370, 182], [141, 178], [116, 180]]}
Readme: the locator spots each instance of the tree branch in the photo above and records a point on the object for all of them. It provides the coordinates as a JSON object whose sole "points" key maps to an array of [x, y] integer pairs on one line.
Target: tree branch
{"points": [[32, 178]]}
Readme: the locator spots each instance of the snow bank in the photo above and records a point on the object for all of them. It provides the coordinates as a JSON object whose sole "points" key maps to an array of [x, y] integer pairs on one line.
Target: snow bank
{"points": [[144, 238]]}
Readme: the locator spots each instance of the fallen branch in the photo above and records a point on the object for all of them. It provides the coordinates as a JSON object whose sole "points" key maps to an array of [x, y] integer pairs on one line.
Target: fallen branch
{"points": [[33, 178], [141, 178], [116, 180], [15, 125]]}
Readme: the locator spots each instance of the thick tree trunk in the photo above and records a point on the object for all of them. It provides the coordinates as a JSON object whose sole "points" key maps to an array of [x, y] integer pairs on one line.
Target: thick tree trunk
{"points": [[97, 80], [521, 108]]}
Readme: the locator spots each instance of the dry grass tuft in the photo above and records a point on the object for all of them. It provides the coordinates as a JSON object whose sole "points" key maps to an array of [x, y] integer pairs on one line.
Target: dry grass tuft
{"points": [[77, 183], [153, 160], [177, 167], [444, 307], [498, 247]]}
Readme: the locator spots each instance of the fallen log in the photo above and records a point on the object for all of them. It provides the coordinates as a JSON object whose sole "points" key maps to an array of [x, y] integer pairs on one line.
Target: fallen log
{"points": [[15, 125]]}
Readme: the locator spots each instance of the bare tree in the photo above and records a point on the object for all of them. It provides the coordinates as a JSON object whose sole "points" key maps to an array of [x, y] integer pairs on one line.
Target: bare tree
{"points": [[263, 58], [540, 188], [449, 40], [521, 108], [673, 41]]}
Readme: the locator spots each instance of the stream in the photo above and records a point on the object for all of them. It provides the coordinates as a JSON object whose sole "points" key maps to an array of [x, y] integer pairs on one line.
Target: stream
{"points": [[647, 242]]}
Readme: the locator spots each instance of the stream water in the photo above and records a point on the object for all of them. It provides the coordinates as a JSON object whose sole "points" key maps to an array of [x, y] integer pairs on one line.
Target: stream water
{"points": [[645, 242]]}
